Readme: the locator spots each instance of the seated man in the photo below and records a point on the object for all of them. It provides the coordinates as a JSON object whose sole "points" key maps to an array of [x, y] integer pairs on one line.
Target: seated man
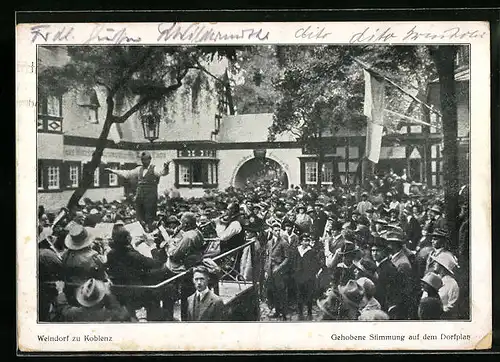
{"points": [[96, 304], [203, 304]]}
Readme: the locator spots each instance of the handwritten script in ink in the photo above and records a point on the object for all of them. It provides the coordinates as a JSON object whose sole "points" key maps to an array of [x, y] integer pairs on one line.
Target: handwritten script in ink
{"points": [[416, 33], [198, 33], [103, 33], [454, 33], [51, 34]]}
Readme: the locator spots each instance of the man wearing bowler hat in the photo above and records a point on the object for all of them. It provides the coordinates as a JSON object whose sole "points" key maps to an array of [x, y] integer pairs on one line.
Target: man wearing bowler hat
{"points": [[146, 197], [388, 292], [400, 260]]}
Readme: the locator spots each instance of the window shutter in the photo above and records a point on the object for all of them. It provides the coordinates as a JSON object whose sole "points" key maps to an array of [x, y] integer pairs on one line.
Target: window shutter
{"points": [[103, 176], [64, 175]]}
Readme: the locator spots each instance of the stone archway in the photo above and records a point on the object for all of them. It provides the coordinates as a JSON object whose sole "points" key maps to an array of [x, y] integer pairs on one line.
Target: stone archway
{"points": [[257, 169]]}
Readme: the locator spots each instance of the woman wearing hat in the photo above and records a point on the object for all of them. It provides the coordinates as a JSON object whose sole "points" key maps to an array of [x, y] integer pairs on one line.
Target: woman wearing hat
{"points": [[303, 220], [445, 265], [369, 302], [342, 302], [430, 284], [344, 270], [365, 268], [80, 262], [439, 239]]}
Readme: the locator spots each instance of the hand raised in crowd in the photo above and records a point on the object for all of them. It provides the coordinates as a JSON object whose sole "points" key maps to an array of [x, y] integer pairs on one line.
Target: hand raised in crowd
{"points": [[60, 286]]}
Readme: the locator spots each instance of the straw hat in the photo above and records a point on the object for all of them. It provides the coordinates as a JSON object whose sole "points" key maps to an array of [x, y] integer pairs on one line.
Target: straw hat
{"points": [[78, 237], [436, 208], [91, 292], [352, 293], [433, 280], [368, 267], [447, 261]]}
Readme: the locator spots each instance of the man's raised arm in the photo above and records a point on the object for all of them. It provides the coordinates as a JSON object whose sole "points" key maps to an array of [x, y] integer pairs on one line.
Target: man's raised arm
{"points": [[125, 173], [165, 170]]}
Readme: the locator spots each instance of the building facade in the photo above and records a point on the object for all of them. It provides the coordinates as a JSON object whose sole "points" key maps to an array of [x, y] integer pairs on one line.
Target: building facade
{"points": [[213, 149]]}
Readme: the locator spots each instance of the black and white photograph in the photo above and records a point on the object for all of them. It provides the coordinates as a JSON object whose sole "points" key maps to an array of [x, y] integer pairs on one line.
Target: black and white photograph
{"points": [[253, 183], [270, 184]]}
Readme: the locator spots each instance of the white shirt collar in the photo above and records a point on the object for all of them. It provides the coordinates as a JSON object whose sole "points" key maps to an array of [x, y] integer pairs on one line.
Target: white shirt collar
{"points": [[381, 261], [202, 293]]}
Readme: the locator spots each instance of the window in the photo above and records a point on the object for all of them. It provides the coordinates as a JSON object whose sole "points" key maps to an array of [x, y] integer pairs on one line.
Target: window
{"points": [[74, 175], [40, 177], [96, 177], [416, 129], [184, 175], [196, 153], [53, 106], [49, 113], [353, 152], [112, 178], [327, 176], [197, 173], [311, 172], [92, 116], [53, 177]]}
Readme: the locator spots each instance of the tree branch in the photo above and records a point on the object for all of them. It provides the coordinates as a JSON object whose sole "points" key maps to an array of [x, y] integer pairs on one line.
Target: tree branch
{"points": [[130, 71], [202, 68], [147, 98]]}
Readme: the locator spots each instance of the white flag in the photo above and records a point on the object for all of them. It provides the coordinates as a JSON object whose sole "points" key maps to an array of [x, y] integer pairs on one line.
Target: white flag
{"points": [[115, 133], [374, 111]]}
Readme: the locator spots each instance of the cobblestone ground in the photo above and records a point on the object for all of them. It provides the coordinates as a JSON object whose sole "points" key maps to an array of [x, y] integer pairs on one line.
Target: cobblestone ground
{"points": [[292, 315]]}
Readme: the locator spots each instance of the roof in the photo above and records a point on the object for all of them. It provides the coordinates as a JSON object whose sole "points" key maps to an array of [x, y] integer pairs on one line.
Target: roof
{"points": [[248, 128]]}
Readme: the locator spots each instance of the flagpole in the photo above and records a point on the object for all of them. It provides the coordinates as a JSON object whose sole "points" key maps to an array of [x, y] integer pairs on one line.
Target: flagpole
{"points": [[370, 69]]}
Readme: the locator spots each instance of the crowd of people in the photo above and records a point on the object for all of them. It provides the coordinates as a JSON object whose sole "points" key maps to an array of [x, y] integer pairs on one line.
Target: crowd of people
{"points": [[371, 252]]}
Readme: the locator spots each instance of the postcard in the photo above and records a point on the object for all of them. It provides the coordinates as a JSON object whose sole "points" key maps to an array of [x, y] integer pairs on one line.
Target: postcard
{"points": [[319, 186]]}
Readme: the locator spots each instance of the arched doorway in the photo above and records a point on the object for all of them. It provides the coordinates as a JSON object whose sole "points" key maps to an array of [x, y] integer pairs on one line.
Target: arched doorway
{"points": [[257, 170]]}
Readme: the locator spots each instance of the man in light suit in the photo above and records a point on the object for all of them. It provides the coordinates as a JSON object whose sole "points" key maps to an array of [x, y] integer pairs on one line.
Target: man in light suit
{"points": [[204, 305], [146, 198]]}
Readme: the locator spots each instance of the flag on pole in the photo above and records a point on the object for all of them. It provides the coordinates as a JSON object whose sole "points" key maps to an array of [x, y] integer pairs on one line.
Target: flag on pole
{"points": [[115, 133], [374, 111]]}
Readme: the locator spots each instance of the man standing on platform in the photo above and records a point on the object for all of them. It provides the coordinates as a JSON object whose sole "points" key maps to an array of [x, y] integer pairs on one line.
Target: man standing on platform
{"points": [[146, 197]]}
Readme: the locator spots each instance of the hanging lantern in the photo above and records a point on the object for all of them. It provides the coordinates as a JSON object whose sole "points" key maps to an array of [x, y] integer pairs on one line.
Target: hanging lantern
{"points": [[151, 126]]}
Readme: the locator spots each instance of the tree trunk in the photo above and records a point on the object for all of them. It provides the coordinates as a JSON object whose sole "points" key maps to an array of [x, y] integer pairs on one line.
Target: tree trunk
{"points": [[89, 168], [321, 159], [444, 58]]}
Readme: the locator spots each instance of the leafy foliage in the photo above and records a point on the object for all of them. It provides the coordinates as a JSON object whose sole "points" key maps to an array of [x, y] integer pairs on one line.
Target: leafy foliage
{"points": [[321, 88]]}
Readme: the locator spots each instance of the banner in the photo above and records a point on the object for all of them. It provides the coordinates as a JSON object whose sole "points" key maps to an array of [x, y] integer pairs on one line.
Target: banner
{"points": [[374, 111]]}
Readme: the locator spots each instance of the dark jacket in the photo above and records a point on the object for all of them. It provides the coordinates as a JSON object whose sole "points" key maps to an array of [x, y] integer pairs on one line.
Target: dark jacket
{"points": [[413, 231], [127, 266], [111, 311], [211, 308], [388, 292], [304, 268], [189, 250], [81, 265]]}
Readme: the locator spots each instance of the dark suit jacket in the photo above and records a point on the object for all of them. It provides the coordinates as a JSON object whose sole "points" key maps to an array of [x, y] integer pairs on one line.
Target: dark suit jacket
{"points": [[388, 292], [414, 231], [211, 307], [304, 268]]}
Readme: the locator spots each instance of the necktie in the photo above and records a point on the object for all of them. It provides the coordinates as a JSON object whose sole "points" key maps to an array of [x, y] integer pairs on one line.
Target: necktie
{"points": [[196, 307]]}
